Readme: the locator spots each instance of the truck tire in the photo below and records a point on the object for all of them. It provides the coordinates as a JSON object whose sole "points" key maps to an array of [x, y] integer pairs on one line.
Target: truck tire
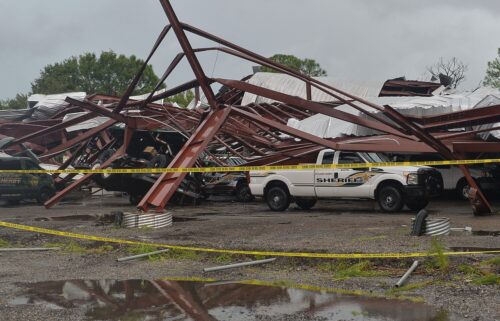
{"points": [[277, 199], [243, 193], [390, 199], [305, 203], [417, 205]]}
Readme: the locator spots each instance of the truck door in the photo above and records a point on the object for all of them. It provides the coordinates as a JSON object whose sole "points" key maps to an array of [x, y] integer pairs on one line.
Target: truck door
{"points": [[343, 182], [352, 182], [324, 179]]}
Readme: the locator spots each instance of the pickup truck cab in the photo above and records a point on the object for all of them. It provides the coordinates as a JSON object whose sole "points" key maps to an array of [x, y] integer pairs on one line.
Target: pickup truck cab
{"points": [[391, 187]]}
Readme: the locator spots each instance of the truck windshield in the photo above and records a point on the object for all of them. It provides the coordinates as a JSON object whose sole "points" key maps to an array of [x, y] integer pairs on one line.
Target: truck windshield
{"points": [[375, 157]]}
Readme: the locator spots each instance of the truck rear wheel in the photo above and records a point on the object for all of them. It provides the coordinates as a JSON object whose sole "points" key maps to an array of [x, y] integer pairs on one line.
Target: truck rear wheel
{"points": [[277, 199], [305, 203], [390, 199]]}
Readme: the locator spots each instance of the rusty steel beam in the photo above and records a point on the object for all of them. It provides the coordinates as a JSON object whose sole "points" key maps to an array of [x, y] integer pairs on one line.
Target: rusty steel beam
{"points": [[54, 128], [120, 152], [310, 105], [190, 55], [138, 76], [165, 187], [75, 141]]}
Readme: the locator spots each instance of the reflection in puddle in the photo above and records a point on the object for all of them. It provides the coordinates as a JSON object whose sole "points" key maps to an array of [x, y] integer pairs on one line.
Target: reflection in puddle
{"points": [[174, 300]]}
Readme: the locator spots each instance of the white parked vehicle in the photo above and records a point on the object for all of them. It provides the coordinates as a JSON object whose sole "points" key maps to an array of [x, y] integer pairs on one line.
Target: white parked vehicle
{"points": [[391, 187], [454, 179]]}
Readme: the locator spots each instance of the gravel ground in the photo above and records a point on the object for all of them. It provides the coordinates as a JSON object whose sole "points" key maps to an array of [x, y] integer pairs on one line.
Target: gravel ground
{"points": [[335, 227]]}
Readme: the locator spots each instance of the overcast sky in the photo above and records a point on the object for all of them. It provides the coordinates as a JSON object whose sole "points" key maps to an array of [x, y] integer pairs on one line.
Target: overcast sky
{"points": [[351, 39]]}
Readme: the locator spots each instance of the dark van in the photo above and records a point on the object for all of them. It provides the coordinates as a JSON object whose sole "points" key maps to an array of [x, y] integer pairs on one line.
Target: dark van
{"points": [[15, 187]]}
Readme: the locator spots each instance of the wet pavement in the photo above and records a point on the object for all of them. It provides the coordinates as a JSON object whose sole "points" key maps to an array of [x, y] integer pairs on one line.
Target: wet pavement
{"points": [[180, 300]]}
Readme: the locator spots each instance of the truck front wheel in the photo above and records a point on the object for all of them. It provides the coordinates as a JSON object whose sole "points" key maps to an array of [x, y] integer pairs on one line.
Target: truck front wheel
{"points": [[277, 199], [305, 203], [390, 199]]}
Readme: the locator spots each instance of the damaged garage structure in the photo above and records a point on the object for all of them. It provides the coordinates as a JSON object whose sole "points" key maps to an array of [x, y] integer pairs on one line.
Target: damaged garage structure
{"points": [[282, 118]]}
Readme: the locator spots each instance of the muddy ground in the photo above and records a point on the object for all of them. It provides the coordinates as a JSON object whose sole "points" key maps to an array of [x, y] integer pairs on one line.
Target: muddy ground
{"points": [[462, 286]]}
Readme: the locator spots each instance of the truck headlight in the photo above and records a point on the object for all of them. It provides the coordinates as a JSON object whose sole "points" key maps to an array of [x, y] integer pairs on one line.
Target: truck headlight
{"points": [[412, 179]]}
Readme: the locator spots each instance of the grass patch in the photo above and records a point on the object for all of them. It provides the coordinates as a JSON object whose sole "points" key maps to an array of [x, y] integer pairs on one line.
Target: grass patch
{"points": [[343, 270], [69, 247], [224, 258], [74, 247], [439, 261], [469, 270], [489, 279], [492, 262], [4, 243]]}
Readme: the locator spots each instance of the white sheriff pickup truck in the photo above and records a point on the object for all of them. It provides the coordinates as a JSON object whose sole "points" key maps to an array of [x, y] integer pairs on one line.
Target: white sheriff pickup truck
{"points": [[391, 187]]}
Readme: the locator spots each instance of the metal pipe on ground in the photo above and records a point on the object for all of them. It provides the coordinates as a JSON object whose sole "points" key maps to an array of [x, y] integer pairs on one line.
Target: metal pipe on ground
{"points": [[407, 274], [138, 256], [236, 265]]}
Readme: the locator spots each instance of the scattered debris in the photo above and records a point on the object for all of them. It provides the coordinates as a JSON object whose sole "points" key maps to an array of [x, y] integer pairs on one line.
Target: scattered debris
{"points": [[407, 274], [134, 257], [236, 265], [152, 220]]}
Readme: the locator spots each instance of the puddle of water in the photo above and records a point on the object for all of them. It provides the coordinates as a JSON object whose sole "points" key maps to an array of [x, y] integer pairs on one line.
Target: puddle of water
{"points": [[174, 300]]}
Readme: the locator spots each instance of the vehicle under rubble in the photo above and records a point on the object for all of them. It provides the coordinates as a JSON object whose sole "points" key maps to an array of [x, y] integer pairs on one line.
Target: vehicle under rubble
{"points": [[147, 149]]}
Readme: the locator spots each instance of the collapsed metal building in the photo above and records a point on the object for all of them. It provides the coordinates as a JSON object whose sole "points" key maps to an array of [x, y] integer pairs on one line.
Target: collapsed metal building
{"points": [[257, 132]]}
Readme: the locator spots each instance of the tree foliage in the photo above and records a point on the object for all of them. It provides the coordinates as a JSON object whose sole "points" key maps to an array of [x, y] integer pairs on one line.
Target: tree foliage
{"points": [[306, 66], [493, 72], [453, 69], [19, 102], [108, 74], [182, 99]]}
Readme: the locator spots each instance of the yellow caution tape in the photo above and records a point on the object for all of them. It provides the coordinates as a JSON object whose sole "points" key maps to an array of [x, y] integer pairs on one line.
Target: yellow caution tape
{"points": [[241, 252], [250, 168]]}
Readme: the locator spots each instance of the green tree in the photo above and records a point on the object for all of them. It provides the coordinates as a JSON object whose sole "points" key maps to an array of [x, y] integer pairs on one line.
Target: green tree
{"points": [[19, 102], [306, 66], [493, 72], [182, 99], [108, 74]]}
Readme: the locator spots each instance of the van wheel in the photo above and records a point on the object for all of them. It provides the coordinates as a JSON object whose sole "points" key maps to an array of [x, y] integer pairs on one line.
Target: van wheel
{"points": [[390, 199], [243, 193], [44, 195], [277, 199], [462, 189], [305, 203], [417, 205]]}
